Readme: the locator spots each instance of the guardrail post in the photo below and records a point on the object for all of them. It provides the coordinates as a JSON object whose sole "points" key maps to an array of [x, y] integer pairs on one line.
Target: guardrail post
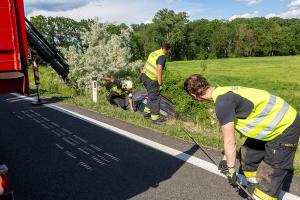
{"points": [[94, 89]]}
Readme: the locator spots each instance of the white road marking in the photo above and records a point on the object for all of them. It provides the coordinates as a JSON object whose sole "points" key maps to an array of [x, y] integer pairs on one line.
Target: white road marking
{"points": [[68, 153], [20, 117], [67, 131], [95, 147], [46, 119], [72, 140], [98, 160], [37, 114], [68, 141], [29, 115], [86, 166], [56, 133], [55, 124], [49, 125], [111, 156], [102, 158], [79, 138], [45, 126], [160, 147], [88, 149], [60, 132], [83, 151], [36, 120], [59, 146]]}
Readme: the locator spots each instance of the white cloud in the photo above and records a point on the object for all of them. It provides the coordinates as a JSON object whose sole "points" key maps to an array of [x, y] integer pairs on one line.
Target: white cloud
{"points": [[289, 14], [294, 4], [55, 5], [293, 12], [251, 2], [108, 11], [246, 15]]}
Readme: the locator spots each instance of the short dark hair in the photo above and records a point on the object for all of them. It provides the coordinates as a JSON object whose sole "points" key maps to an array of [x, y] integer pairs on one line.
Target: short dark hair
{"points": [[196, 84], [166, 46]]}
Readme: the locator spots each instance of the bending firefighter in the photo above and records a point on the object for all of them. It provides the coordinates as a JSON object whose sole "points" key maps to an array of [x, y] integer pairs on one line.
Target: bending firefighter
{"points": [[272, 128], [118, 90], [151, 78]]}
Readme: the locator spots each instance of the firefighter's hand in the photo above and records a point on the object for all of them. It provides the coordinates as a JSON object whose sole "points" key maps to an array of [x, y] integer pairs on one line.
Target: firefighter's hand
{"points": [[161, 87], [223, 167], [231, 175]]}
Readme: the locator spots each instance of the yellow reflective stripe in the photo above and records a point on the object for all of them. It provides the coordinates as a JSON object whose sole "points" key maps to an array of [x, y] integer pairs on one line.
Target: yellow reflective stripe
{"points": [[275, 122], [154, 117], [260, 194], [249, 174], [146, 109]]}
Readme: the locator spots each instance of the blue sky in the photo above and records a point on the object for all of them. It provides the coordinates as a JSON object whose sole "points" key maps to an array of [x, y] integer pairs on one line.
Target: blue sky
{"points": [[142, 11]]}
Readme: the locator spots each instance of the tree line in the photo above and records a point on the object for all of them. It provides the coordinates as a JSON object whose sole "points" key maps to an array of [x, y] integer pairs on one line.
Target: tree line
{"points": [[190, 40]]}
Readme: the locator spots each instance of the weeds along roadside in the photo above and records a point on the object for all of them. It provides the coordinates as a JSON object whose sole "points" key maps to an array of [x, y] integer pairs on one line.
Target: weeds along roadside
{"points": [[198, 117]]}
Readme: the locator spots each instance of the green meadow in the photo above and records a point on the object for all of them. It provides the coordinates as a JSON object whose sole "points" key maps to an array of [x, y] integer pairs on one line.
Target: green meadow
{"points": [[278, 75]]}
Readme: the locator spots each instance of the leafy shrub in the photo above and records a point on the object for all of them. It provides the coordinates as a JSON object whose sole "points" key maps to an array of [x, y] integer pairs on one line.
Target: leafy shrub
{"points": [[187, 108], [106, 54]]}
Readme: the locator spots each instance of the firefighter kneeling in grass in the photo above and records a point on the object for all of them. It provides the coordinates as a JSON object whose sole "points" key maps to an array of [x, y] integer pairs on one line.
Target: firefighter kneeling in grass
{"points": [[272, 128], [118, 90]]}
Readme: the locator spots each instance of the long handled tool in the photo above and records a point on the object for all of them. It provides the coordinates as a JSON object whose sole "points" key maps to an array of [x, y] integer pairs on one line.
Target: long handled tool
{"points": [[214, 162]]}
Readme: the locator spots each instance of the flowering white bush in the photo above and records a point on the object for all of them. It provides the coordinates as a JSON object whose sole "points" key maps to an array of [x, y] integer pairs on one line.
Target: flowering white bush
{"points": [[106, 54]]}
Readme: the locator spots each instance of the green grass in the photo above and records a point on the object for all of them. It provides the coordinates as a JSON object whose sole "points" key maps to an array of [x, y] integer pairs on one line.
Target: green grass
{"points": [[278, 75]]}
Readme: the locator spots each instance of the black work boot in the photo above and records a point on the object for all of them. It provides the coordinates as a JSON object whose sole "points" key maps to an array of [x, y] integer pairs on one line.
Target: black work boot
{"points": [[147, 115], [159, 121]]}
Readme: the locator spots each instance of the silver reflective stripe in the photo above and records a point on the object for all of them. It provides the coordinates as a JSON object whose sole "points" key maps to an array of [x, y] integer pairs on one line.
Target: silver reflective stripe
{"points": [[152, 66], [150, 72], [261, 117], [274, 123]]}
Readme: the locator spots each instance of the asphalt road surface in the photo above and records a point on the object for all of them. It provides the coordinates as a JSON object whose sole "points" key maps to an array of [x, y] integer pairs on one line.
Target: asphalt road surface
{"points": [[52, 155]]}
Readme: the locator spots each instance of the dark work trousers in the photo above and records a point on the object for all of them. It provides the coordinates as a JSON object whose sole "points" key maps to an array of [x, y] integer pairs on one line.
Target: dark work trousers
{"points": [[272, 160], [152, 88], [117, 100]]}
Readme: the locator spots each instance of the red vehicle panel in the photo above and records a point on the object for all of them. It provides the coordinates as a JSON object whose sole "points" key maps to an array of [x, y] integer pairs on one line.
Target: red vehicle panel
{"points": [[13, 47]]}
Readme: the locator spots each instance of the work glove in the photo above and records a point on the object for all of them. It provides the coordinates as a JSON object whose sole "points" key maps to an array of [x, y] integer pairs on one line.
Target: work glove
{"points": [[160, 87], [231, 176], [223, 167]]}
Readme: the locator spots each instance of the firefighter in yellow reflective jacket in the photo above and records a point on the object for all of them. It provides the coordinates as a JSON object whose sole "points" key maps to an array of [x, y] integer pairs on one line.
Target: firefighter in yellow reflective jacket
{"points": [[151, 78], [119, 90], [272, 128]]}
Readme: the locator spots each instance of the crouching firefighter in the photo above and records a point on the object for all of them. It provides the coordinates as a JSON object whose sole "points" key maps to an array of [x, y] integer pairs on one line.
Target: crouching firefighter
{"points": [[119, 90], [272, 128], [151, 78]]}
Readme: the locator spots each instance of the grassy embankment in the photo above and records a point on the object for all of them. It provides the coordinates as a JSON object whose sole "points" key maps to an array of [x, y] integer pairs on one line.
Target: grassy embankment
{"points": [[278, 75]]}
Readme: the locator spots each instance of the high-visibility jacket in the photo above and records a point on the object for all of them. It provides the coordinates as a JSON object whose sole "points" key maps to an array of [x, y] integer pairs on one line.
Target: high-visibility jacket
{"points": [[150, 66], [270, 116], [118, 87]]}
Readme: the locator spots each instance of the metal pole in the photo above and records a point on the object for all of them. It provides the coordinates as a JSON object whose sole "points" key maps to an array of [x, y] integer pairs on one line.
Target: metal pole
{"points": [[214, 162], [36, 80]]}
